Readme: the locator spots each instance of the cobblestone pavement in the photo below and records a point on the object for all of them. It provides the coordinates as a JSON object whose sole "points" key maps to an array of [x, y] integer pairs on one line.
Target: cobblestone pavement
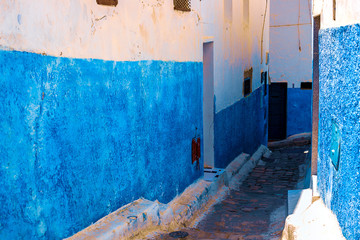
{"points": [[257, 210]]}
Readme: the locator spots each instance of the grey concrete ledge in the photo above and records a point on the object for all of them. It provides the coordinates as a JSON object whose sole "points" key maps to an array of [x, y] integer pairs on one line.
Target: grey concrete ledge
{"points": [[137, 219]]}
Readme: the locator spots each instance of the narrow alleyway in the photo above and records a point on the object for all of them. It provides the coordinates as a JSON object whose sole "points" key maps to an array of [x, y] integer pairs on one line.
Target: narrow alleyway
{"points": [[257, 210]]}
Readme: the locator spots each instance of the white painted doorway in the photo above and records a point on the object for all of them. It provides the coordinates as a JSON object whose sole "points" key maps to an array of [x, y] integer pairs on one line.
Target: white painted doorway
{"points": [[208, 104]]}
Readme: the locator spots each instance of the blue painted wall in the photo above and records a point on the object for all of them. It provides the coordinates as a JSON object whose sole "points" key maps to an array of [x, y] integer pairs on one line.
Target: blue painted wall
{"points": [[242, 127], [340, 102], [299, 113], [82, 137]]}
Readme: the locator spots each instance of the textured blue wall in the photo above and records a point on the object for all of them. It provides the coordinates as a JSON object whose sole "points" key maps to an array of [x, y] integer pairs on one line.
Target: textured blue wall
{"points": [[80, 138], [299, 114], [242, 127], [340, 102]]}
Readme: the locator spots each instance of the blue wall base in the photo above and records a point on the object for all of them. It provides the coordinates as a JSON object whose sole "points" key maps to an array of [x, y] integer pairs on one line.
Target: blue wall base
{"points": [[82, 137], [339, 104], [242, 127], [299, 114]]}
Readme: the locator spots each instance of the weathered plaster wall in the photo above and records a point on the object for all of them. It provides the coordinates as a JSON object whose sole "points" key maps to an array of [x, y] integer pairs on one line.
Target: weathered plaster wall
{"points": [[339, 102], [134, 30], [291, 42], [84, 136], [239, 44], [299, 112], [347, 12], [291, 58], [81, 138]]}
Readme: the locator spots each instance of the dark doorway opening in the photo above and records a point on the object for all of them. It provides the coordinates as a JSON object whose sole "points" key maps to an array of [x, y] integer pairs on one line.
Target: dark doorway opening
{"points": [[277, 110]]}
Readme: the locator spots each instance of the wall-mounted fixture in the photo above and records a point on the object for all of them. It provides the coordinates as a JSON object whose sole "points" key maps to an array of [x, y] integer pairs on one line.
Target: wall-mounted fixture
{"points": [[195, 151], [247, 84], [335, 144], [182, 5], [107, 2]]}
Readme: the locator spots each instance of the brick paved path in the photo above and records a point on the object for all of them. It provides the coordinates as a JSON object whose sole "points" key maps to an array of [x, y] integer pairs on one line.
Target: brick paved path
{"points": [[257, 210]]}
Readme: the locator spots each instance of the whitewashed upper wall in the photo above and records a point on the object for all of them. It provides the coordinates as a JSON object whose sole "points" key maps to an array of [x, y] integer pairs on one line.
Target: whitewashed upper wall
{"points": [[145, 30], [347, 12], [237, 45], [291, 42], [133, 30]]}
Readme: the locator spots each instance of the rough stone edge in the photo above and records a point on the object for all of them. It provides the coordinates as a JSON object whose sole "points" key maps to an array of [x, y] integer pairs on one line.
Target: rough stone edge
{"points": [[182, 211], [300, 139]]}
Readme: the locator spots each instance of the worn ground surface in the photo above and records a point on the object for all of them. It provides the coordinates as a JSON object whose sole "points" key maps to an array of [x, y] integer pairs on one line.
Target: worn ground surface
{"points": [[257, 209]]}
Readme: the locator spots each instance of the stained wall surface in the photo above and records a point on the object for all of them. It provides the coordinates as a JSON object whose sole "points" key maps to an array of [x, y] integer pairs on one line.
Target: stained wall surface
{"points": [[291, 58], [339, 105], [131, 31]]}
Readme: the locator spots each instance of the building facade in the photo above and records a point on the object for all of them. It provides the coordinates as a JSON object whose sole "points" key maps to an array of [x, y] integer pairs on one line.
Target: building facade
{"points": [[239, 30], [290, 68], [339, 113], [100, 104]]}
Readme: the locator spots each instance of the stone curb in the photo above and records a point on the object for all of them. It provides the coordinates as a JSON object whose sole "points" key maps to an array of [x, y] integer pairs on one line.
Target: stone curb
{"points": [[137, 219], [294, 140]]}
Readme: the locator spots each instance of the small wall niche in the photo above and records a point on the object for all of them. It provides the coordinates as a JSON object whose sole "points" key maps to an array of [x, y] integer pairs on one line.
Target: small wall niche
{"points": [[306, 85], [264, 76], [247, 84], [112, 3], [182, 5]]}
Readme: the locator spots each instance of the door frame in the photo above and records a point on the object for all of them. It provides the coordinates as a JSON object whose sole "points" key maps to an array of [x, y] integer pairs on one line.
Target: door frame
{"points": [[208, 103]]}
